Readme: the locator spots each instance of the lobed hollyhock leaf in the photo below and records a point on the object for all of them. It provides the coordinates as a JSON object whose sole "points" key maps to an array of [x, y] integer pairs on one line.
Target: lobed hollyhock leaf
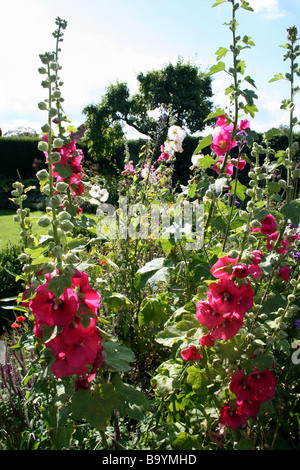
{"points": [[96, 406], [117, 356], [132, 402]]}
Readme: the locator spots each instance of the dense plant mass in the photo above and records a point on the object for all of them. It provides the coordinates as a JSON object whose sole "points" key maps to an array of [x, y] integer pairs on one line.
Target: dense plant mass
{"points": [[172, 320]]}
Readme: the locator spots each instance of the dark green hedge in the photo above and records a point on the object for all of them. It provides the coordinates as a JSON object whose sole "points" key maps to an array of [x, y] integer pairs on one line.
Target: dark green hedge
{"points": [[20, 157]]}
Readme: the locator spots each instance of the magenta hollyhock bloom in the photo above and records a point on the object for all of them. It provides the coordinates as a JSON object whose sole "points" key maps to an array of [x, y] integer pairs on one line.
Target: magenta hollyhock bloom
{"points": [[207, 340], [244, 124], [207, 316], [49, 310], [82, 353], [256, 256], [264, 384], [268, 225], [87, 295], [191, 353], [223, 296], [255, 271], [240, 271], [240, 386], [232, 417], [223, 267], [222, 141], [229, 327], [284, 272], [61, 367], [248, 408], [246, 299], [75, 332]]}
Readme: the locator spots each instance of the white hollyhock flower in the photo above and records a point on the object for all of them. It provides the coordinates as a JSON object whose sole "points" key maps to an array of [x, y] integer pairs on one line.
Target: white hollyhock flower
{"points": [[177, 134], [98, 194]]}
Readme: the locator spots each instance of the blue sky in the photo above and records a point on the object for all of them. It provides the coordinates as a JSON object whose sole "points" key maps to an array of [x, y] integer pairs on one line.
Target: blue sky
{"points": [[106, 41]]}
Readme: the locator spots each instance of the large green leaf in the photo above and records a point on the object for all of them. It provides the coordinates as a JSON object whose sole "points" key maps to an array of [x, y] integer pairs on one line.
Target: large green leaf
{"points": [[132, 402], [151, 312], [117, 356], [95, 406]]}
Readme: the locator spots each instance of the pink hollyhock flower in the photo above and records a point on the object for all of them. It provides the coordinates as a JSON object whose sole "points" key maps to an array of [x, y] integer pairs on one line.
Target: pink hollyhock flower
{"points": [[232, 417], [244, 124], [207, 340], [75, 332], [223, 268], [223, 296], [88, 296], [246, 299], [222, 121], [240, 387], [49, 310], [207, 316], [191, 353], [255, 271], [240, 271], [256, 256], [284, 272], [128, 168], [61, 367], [268, 225], [222, 141], [82, 353], [248, 408], [164, 155], [264, 384], [229, 166], [229, 327]]}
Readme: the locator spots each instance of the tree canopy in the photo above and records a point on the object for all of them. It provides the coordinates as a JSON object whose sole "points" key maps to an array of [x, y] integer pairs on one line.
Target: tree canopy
{"points": [[177, 94]]}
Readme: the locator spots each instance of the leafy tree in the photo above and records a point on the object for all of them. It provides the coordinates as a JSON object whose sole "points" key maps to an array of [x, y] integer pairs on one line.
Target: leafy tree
{"points": [[179, 92]]}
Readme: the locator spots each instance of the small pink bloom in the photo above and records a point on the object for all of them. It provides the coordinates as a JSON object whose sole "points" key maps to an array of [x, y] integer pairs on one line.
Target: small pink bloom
{"points": [[268, 225], [264, 384], [207, 316], [223, 296], [256, 256], [240, 271], [240, 387], [284, 272], [229, 327], [207, 340], [232, 418], [248, 408], [191, 353], [223, 267]]}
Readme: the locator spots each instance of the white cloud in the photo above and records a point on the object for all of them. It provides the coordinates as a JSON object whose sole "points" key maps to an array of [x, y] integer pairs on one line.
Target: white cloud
{"points": [[269, 8]]}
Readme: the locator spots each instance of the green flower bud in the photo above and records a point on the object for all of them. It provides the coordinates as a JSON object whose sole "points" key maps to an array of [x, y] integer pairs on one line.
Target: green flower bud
{"points": [[42, 70], [54, 157], [55, 201], [66, 225], [58, 143], [42, 105], [17, 218], [42, 175], [61, 186], [63, 215], [44, 221], [45, 84], [52, 112], [45, 128], [57, 251], [43, 146]]}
